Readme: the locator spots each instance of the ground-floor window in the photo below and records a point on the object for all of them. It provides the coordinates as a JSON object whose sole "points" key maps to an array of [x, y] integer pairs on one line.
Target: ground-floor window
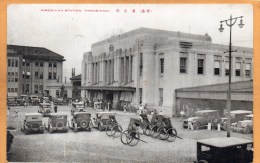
{"points": [[160, 96]]}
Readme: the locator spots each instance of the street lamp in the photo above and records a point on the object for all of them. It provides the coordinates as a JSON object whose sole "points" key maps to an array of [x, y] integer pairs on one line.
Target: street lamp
{"points": [[230, 22]]}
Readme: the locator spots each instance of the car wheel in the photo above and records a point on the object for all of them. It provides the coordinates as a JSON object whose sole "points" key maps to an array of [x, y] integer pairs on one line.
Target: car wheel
{"points": [[247, 130], [196, 126]]}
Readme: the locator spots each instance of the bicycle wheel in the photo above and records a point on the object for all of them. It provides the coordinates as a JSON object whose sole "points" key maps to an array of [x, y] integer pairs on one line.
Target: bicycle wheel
{"points": [[155, 132], [125, 137], [108, 129], [163, 135], [172, 133], [116, 131], [134, 138]]}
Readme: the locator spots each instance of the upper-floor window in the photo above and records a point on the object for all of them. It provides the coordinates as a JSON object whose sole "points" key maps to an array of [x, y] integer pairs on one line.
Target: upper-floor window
{"points": [[36, 64], [27, 63], [9, 62], [183, 65], [41, 64], [248, 70], [50, 64], [161, 66], [16, 63], [141, 64], [54, 64], [201, 63]]}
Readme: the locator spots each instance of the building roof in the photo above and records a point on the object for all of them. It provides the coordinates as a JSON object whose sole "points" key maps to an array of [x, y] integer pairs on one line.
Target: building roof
{"points": [[78, 77], [40, 53], [240, 86]]}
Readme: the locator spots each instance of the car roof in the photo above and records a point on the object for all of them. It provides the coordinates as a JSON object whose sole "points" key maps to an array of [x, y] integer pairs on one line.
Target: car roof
{"points": [[45, 103], [79, 103], [206, 111], [57, 114], [32, 114], [77, 113], [250, 115], [240, 112], [106, 113], [224, 141]]}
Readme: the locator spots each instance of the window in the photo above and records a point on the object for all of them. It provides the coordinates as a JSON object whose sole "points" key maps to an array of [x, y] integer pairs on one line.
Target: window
{"points": [[40, 88], [9, 64], [12, 89], [36, 73], [216, 67], [27, 76], [36, 89], [201, 59], [57, 93], [54, 75], [50, 64], [41, 75], [15, 79], [183, 65], [161, 96], [12, 62], [16, 63], [141, 95], [161, 66], [36, 64], [141, 65], [227, 68], [15, 89], [41, 64], [200, 66], [27, 63], [9, 90], [50, 76], [27, 88], [238, 68], [248, 70], [55, 64]]}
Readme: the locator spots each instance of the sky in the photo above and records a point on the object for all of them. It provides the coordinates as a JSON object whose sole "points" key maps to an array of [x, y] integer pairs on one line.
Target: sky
{"points": [[71, 29]]}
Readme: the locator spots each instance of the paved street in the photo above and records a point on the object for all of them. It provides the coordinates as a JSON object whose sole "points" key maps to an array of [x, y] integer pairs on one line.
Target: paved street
{"points": [[96, 146]]}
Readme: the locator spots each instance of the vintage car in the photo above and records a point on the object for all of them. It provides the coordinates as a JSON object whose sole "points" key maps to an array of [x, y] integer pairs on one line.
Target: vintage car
{"points": [[245, 126], [81, 121], [11, 101], [235, 116], [77, 107], [45, 109], [102, 119], [35, 100], [32, 123], [9, 140], [224, 150], [57, 122], [202, 118]]}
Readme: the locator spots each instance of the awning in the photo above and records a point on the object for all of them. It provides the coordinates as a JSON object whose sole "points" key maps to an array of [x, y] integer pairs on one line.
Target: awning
{"points": [[109, 88]]}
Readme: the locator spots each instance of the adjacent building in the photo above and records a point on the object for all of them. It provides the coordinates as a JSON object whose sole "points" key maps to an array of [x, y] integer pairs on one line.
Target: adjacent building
{"points": [[147, 66], [31, 69]]}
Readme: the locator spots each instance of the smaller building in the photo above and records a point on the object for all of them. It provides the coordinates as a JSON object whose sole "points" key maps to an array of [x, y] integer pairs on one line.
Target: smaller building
{"points": [[60, 90], [214, 97]]}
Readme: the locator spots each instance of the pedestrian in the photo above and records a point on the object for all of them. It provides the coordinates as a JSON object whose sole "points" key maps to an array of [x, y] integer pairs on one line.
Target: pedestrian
{"points": [[124, 108], [55, 108], [16, 112], [190, 125], [140, 109], [108, 106]]}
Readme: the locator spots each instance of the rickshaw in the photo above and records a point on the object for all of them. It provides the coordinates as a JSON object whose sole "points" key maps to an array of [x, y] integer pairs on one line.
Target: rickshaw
{"points": [[224, 150], [81, 121], [131, 136]]}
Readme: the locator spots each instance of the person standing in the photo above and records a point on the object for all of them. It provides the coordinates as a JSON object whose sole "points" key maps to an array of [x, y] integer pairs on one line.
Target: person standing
{"points": [[16, 112], [108, 106], [55, 109]]}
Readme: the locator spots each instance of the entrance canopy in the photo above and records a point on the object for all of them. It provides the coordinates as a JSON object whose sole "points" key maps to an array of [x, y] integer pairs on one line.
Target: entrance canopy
{"points": [[108, 88]]}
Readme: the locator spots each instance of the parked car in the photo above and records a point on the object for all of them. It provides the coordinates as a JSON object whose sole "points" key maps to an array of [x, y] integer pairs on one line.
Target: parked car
{"points": [[224, 150], [45, 109], [81, 121], [9, 140], [235, 116], [57, 122], [32, 123], [77, 107], [11, 101], [245, 126], [34, 100], [202, 118], [102, 119]]}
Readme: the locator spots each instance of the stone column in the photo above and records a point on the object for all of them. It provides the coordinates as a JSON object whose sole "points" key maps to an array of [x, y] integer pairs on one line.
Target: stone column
{"points": [[125, 70]]}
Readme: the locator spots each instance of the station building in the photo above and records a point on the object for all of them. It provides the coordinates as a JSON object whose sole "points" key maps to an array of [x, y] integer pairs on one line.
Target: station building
{"points": [[146, 66], [32, 70]]}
